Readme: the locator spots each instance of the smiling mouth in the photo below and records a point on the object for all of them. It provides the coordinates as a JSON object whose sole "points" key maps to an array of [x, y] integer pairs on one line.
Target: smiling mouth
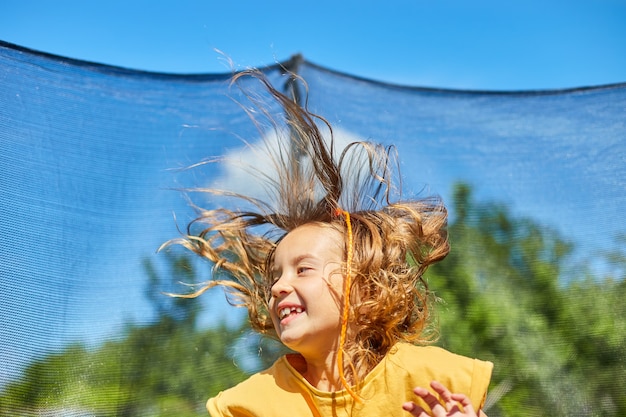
{"points": [[287, 311]]}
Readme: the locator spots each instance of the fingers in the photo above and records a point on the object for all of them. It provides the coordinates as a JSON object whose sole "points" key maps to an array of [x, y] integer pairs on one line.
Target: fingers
{"points": [[433, 401], [444, 394], [430, 399], [446, 404], [466, 403], [415, 409]]}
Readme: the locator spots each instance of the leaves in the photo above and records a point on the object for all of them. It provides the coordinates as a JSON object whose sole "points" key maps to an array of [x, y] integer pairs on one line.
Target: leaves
{"points": [[558, 344]]}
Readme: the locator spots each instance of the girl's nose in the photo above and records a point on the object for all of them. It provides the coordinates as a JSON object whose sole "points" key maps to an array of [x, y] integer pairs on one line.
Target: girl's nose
{"points": [[281, 287]]}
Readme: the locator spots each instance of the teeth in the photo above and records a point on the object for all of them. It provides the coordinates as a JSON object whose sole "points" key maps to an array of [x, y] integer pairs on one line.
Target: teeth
{"points": [[284, 312]]}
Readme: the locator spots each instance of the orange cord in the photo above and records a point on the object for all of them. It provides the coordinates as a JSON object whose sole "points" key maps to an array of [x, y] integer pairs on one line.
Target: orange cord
{"points": [[346, 307]]}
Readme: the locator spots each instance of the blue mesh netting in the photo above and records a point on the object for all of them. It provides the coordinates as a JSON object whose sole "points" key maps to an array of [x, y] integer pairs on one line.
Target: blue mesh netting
{"points": [[87, 154]]}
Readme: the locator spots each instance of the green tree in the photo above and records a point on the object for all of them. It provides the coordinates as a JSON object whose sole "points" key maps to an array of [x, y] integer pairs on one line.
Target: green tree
{"points": [[505, 300], [168, 367]]}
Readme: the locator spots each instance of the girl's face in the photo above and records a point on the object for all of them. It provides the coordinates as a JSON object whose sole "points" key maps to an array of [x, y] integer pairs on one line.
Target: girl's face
{"points": [[306, 295]]}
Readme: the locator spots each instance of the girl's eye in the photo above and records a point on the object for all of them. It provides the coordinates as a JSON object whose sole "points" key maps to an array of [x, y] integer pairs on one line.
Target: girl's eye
{"points": [[303, 269]]}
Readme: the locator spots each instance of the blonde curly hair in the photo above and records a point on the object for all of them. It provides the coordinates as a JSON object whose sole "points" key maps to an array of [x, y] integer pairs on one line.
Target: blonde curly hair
{"points": [[393, 242]]}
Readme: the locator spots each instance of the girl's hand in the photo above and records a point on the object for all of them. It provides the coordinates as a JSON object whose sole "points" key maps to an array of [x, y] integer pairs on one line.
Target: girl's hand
{"points": [[449, 408]]}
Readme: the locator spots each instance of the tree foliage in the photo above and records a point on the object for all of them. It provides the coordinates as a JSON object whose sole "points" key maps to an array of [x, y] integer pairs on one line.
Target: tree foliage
{"points": [[165, 368], [509, 296], [513, 292]]}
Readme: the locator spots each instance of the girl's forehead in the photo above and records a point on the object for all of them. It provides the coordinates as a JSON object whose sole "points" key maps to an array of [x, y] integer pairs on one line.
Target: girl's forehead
{"points": [[311, 237], [318, 230]]}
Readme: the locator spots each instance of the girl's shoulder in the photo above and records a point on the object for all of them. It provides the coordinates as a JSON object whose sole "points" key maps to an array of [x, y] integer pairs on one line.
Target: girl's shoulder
{"points": [[419, 365], [271, 392], [406, 352]]}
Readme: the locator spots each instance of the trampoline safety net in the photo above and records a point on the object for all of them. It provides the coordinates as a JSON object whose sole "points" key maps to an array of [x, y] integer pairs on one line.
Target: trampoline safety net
{"points": [[91, 164]]}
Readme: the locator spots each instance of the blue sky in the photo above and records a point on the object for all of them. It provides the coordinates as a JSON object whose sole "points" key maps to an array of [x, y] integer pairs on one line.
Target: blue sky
{"points": [[493, 45]]}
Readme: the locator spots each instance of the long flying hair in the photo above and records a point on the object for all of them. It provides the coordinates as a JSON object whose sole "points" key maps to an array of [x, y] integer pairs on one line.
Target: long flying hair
{"points": [[393, 242]]}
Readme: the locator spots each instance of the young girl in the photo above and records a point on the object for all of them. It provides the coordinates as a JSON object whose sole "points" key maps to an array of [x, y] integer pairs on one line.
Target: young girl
{"points": [[334, 270]]}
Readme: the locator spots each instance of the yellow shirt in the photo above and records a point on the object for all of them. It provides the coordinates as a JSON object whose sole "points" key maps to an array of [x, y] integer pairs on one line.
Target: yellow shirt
{"points": [[281, 391]]}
